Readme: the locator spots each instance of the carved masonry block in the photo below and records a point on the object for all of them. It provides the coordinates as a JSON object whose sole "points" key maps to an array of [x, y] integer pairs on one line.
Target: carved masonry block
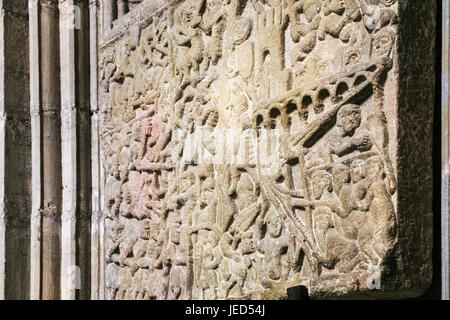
{"points": [[254, 146]]}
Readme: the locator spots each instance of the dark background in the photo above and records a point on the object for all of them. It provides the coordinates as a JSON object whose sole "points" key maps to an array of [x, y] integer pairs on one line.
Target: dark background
{"points": [[434, 292]]}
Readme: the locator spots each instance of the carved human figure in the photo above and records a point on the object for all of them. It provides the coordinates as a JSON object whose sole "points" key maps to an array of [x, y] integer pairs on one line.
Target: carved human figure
{"points": [[210, 261], [381, 215], [305, 33], [190, 45], [338, 13], [350, 137], [273, 246], [383, 43], [361, 204], [127, 205], [248, 205], [377, 16], [322, 214], [331, 244]]}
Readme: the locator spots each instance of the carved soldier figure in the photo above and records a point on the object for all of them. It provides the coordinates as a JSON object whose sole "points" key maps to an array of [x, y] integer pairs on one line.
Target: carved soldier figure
{"points": [[376, 16], [304, 32], [189, 52], [210, 261], [381, 216], [273, 246], [332, 245]]}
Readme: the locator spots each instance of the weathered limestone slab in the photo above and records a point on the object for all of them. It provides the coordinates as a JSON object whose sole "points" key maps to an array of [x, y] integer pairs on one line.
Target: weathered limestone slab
{"points": [[252, 146]]}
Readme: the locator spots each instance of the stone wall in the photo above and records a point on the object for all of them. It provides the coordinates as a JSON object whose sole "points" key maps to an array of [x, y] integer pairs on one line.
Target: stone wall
{"points": [[252, 146]]}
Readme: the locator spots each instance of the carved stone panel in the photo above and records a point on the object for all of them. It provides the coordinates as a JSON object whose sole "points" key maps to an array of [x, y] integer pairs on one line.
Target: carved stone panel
{"points": [[252, 146]]}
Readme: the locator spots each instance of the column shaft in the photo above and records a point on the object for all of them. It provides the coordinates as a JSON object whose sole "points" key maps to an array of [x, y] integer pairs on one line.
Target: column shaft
{"points": [[95, 163], [51, 150], [36, 193], [84, 181]]}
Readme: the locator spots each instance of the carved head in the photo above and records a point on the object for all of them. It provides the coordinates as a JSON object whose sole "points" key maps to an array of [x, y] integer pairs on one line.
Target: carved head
{"points": [[321, 181], [190, 13], [349, 118], [382, 43], [357, 171], [341, 176]]}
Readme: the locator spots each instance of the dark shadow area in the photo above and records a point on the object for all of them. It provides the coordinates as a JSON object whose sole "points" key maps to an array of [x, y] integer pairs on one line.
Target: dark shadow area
{"points": [[434, 292]]}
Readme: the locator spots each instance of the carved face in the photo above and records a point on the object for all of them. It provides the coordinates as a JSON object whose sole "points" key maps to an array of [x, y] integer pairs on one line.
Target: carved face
{"points": [[190, 16], [383, 43], [349, 118], [321, 181]]}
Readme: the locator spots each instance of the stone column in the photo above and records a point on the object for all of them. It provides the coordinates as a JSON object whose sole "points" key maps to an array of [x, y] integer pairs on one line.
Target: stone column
{"points": [[75, 133], [95, 160], [35, 111], [84, 188], [15, 151], [51, 149], [69, 269]]}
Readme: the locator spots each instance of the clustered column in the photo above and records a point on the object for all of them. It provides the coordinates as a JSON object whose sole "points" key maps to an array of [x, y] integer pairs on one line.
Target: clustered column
{"points": [[60, 228]]}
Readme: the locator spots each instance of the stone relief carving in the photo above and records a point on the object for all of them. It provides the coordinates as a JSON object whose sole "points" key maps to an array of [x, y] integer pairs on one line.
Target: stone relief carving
{"points": [[212, 216]]}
